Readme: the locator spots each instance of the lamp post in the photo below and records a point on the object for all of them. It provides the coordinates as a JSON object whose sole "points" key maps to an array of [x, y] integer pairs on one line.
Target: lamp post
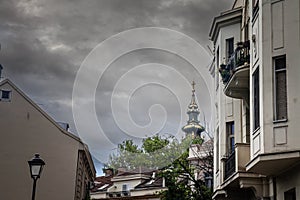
{"points": [[36, 165]]}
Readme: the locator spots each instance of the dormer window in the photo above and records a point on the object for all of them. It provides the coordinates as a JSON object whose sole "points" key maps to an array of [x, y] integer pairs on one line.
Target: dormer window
{"points": [[5, 95], [124, 187]]}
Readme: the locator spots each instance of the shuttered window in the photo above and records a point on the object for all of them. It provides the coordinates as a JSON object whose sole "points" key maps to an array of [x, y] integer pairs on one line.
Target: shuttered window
{"points": [[217, 149], [280, 88], [256, 99]]}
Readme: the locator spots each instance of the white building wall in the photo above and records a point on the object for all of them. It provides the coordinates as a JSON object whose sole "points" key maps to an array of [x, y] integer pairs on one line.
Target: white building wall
{"points": [[228, 109], [277, 31]]}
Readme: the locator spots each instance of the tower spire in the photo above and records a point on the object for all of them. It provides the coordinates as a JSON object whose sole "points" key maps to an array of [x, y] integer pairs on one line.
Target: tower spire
{"points": [[193, 126], [193, 86], [193, 101]]}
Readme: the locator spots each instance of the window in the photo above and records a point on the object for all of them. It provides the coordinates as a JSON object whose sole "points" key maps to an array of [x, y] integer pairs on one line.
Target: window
{"points": [[218, 65], [255, 7], [290, 195], [229, 48], [217, 150], [124, 187], [208, 180], [5, 95], [230, 137], [256, 99], [280, 88]]}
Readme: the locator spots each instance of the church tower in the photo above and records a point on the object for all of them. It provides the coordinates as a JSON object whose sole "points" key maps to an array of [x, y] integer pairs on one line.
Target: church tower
{"points": [[193, 126]]}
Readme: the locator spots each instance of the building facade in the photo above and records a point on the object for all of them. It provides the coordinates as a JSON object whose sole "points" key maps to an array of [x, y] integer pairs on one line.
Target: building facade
{"points": [[25, 130], [256, 73], [144, 185]]}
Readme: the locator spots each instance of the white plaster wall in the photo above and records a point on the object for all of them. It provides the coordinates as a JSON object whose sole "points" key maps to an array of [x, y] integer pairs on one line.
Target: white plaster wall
{"points": [[287, 181], [271, 30], [24, 132], [224, 104]]}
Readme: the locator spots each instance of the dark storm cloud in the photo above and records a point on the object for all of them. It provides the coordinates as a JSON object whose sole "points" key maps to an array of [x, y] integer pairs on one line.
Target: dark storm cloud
{"points": [[44, 41], [53, 37]]}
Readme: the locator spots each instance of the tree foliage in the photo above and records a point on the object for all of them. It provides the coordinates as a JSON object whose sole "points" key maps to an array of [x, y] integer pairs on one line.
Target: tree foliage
{"points": [[171, 157], [155, 153], [180, 179]]}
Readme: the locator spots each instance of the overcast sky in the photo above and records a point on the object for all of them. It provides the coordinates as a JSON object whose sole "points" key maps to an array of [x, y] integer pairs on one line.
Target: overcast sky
{"points": [[45, 42]]}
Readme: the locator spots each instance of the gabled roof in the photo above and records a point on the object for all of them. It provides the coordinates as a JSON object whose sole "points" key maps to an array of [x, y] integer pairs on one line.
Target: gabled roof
{"points": [[7, 81], [102, 183], [50, 119]]}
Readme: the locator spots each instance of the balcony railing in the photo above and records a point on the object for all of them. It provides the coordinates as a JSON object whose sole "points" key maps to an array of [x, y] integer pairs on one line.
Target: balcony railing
{"points": [[240, 57], [118, 194], [230, 165]]}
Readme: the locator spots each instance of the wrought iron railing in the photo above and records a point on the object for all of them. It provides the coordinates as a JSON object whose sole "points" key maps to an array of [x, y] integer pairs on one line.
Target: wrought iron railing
{"points": [[230, 165], [118, 194], [241, 56]]}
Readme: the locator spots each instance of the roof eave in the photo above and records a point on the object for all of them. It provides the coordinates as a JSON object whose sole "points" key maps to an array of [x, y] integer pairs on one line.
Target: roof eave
{"points": [[225, 19]]}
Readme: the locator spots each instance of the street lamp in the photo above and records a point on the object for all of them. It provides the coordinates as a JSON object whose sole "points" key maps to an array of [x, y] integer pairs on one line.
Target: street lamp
{"points": [[36, 165]]}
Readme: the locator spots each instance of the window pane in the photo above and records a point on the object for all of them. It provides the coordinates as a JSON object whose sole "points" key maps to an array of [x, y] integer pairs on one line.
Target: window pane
{"points": [[280, 63], [231, 144], [281, 96], [217, 149], [5, 94], [124, 187], [256, 98], [290, 195], [229, 47], [230, 137]]}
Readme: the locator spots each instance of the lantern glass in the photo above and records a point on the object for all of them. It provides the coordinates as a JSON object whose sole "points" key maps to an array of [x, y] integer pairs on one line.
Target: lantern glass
{"points": [[35, 170]]}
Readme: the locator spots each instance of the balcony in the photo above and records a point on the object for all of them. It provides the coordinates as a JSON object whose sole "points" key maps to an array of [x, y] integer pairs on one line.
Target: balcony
{"points": [[230, 165], [118, 194], [237, 160], [273, 164], [235, 74]]}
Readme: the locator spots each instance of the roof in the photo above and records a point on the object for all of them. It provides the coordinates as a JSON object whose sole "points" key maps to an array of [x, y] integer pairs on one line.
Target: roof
{"points": [[226, 18], [102, 183], [50, 119], [141, 170], [151, 183]]}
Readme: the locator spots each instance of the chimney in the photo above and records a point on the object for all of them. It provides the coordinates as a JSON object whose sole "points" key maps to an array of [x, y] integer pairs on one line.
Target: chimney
{"points": [[108, 171], [121, 170], [64, 125]]}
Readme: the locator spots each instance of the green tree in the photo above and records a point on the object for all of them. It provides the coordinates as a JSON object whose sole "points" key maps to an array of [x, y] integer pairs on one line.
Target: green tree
{"points": [[171, 158], [180, 179], [154, 153]]}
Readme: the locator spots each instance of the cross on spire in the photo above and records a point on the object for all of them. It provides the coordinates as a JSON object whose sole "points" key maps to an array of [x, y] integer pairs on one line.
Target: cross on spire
{"points": [[193, 86]]}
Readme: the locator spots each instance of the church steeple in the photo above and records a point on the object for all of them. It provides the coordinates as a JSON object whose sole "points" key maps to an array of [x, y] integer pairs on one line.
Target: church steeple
{"points": [[193, 126]]}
